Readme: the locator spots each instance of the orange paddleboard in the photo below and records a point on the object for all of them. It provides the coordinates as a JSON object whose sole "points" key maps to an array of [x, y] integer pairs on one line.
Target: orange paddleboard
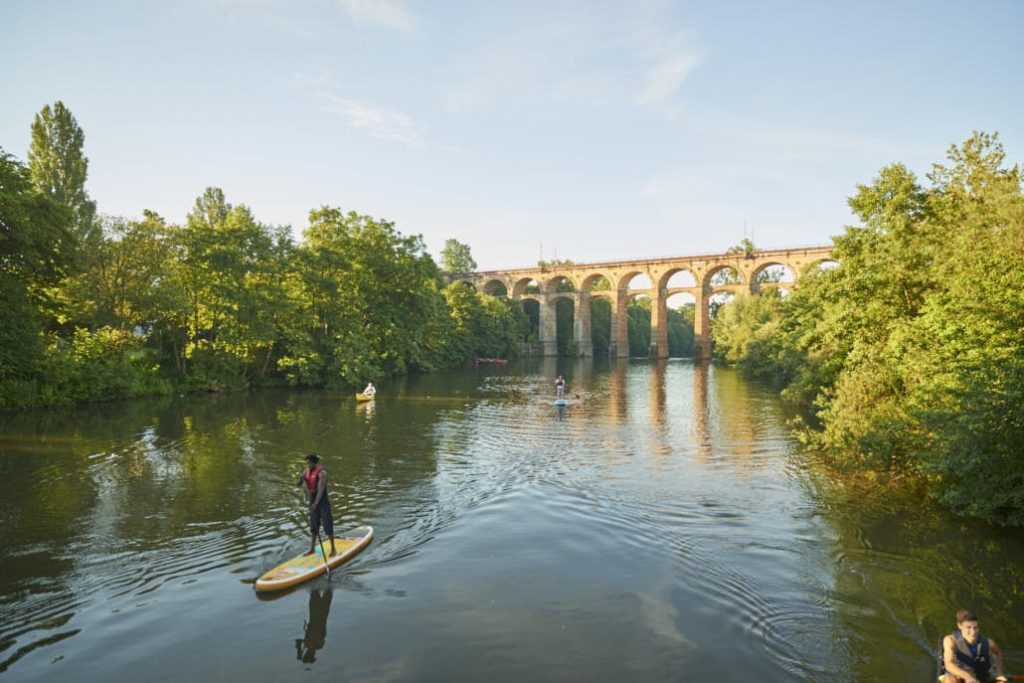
{"points": [[306, 567]]}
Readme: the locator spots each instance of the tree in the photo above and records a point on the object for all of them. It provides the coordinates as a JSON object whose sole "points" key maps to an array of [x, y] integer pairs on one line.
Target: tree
{"points": [[638, 324], [600, 324], [34, 249], [456, 257], [555, 263], [745, 247], [58, 166], [229, 275], [910, 355], [482, 326], [680, 331], [125, 275], [372, 299]]}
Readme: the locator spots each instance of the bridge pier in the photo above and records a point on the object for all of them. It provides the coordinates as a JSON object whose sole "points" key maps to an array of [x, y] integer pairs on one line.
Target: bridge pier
{"points": [[581, 325], [702, 325], [659, 325], [618, 346], [548, 334]]}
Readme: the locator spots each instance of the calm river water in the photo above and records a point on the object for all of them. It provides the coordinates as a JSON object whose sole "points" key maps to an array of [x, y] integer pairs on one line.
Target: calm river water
{"points": [[663, 527]]}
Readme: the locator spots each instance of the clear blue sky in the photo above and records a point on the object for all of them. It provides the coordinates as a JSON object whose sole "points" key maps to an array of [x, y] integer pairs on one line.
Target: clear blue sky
{"points": [[602, 130]]}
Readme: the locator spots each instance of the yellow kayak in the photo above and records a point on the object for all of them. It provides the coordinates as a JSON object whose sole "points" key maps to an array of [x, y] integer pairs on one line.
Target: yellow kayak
{"points": [[306, 567], [365, 397]]}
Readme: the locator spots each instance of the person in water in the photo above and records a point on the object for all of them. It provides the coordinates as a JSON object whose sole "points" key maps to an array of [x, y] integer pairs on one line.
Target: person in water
{"points": [[560, 387], [314, 478], [969, 656], [370, 390]]}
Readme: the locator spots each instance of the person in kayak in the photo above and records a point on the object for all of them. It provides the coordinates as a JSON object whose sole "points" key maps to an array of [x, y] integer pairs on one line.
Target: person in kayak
{"points": [[314, 478], [969, 656], [370, 390]]}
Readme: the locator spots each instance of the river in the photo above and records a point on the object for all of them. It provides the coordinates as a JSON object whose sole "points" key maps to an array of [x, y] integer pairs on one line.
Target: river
{"points": [[662, 527]]}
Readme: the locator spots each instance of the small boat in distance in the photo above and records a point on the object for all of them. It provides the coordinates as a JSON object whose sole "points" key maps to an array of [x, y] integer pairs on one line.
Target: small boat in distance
{"points": [[364, 397], [491, 361]]}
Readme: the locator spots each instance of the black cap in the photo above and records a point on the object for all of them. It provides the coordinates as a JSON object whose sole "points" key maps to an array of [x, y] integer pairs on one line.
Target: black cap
{"points": [[313, 458]]}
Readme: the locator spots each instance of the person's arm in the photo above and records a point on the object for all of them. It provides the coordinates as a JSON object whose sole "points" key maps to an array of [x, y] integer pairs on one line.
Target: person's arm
{"points": [[949, 660], [321, 486], [997, 654]]}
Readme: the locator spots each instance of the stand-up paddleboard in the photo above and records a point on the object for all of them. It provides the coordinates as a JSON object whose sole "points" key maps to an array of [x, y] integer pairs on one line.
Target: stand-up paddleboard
{"points": [[561, 402], [306, 567]]}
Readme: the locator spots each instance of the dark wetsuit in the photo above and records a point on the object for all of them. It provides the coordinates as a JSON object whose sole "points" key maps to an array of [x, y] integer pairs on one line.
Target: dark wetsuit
{"points": [[975, 658], [321, 514]]}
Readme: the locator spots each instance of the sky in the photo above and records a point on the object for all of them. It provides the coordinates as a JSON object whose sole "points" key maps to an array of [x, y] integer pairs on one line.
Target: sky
{"points": [[587, 130]]}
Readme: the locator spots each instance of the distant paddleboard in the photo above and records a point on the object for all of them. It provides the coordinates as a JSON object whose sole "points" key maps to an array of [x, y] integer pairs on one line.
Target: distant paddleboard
{"points": [[561, 402], [306, 567]]}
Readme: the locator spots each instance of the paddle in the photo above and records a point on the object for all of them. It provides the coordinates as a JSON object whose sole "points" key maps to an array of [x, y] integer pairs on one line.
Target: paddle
{"points": [[320, 538]]}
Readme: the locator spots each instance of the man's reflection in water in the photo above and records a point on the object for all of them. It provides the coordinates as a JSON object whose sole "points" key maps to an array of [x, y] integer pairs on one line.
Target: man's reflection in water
{"points": [[316, 626]]}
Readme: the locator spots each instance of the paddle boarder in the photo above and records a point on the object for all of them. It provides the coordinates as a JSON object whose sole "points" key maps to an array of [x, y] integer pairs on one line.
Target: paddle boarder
{"points": [[969, 656], [560, 387], [314, 478]]}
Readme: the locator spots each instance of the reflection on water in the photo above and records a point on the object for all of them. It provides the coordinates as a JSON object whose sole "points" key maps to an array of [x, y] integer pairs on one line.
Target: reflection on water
{"points": [[315, 629], [661, 527]]}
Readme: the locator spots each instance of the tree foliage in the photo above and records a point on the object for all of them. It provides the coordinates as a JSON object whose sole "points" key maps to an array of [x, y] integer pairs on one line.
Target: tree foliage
{"points": [[457, 257], [680, 331], [745, 247], [600, 325], [145, 306], [58, 165], [910, 355], [638, 326], [36, 248]]}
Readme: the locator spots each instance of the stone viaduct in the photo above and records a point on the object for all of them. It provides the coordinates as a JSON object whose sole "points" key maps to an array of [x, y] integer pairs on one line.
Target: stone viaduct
{"points": [[546, 285]]}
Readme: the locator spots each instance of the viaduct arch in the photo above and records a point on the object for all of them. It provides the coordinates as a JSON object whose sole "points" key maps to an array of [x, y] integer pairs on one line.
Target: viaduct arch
{"points": [[618, 274]]}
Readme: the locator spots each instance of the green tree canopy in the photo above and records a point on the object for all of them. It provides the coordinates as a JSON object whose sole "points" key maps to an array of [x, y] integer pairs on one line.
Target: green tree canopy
{"points": [[58, 165], [456, 257], [745, 247], [35, 249], [911, 354]]}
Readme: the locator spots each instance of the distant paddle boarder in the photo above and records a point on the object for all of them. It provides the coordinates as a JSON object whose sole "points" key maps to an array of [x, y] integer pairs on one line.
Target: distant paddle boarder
{"points": [[560, 387], [314, 478]]}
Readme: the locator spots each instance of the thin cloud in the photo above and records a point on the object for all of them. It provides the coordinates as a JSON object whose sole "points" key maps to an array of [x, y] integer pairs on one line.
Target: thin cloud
{"points": [[380, 123], [598, 59], [304, 17], [379, 13], [783, 142], [319, 78], [664, 80]]}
